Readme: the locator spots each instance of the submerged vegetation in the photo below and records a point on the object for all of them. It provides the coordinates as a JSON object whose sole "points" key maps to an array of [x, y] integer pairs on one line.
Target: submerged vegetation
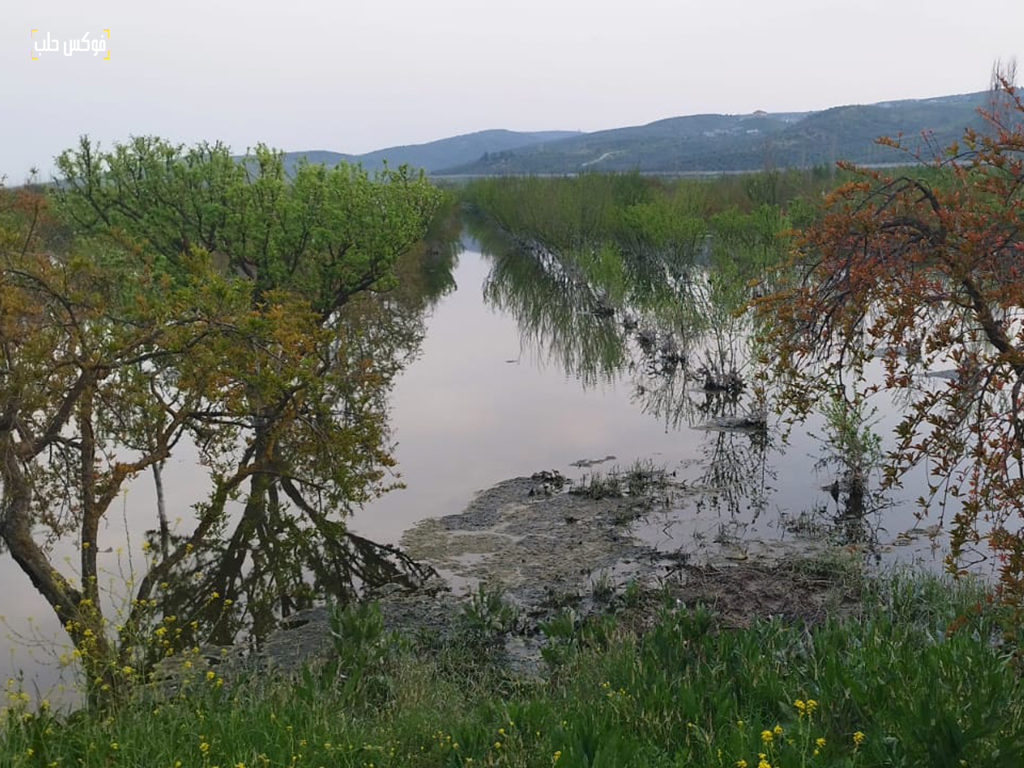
{"points": [[905, 284], [613, 274]]}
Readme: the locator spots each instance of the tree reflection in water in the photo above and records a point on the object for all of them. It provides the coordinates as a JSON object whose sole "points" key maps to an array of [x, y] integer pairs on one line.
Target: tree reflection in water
{"points": [[671, 324], [281, 553]]}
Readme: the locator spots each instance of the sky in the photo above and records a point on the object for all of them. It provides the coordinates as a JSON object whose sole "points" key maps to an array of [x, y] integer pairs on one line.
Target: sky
{"points": [[357, 76]]}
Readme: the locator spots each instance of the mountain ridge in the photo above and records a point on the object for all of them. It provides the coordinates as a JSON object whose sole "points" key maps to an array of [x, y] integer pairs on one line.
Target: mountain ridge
{"points": [[705, 142], [433, 155]]}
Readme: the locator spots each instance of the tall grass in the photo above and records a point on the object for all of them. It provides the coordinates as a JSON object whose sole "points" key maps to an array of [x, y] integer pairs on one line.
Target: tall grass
{"points": [[641, 214], [892, 686]]}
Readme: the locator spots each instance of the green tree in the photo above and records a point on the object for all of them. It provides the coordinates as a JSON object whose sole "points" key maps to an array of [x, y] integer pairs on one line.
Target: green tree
{"points": [[197, 297]]}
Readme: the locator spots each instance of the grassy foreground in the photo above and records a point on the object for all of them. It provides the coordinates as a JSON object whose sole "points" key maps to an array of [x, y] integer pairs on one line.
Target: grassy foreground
{"points": [[891, 686]]}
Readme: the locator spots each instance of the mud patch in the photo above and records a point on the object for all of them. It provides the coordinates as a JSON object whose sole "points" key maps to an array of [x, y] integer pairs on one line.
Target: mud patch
{"points": [[547, 544], [535, 542], [584, 463], [795, 591]]}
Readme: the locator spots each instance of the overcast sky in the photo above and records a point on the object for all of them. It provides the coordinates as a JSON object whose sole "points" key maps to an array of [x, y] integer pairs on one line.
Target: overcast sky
{"points": [[355, 76]]}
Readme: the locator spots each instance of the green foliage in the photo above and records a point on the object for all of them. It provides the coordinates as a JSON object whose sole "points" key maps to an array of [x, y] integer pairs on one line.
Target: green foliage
{"points": [[850, 436], [362, 651], [326, 233], [566, 213], [646, 218], [896, 685], [559, 633], [487, 616], [165, 295]]}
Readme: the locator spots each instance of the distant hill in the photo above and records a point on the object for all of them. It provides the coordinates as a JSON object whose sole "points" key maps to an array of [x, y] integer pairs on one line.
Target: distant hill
{"points": [[692, 143], [434, 155], [742, 142]]}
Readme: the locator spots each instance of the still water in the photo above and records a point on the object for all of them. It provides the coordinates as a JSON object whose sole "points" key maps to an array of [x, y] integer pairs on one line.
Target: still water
{"points": [[489, 399], [510, 380]]}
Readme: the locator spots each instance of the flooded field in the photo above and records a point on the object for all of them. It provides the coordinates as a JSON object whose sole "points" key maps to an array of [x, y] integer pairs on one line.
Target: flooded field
{"points": [[492, 397], [641, 456]]}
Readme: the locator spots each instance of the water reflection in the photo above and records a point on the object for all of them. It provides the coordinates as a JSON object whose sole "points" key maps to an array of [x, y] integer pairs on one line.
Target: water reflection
{"points": [[282, 553], [664, 321], [621, 368], [558, 313], [272, 547], [671, 324]]}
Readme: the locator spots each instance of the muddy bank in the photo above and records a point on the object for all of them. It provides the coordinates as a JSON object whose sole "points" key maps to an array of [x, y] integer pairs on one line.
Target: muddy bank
{"points": [[547, 543], [538, 539]]}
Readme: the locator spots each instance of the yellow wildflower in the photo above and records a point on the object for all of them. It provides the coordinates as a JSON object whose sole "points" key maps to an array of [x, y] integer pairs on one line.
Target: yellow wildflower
{"points": [[766, 737]]}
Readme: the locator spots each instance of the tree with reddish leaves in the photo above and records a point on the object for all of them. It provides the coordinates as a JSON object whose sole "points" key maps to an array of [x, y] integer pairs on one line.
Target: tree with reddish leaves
{"points": [[923, 272]]}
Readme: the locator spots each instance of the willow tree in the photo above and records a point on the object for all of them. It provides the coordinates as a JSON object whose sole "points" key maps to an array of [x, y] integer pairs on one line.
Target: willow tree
{"points": [[194, 297], [924, 270]]}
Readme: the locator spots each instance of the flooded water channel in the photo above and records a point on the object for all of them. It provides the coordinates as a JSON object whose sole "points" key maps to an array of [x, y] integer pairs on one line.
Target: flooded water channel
{"points": [[517, 373], [498, 393]]}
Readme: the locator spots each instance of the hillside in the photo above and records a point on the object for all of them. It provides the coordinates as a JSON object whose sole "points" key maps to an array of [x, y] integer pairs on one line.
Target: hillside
{"points": [[435, 155], [743, 142], [691, 143]]}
